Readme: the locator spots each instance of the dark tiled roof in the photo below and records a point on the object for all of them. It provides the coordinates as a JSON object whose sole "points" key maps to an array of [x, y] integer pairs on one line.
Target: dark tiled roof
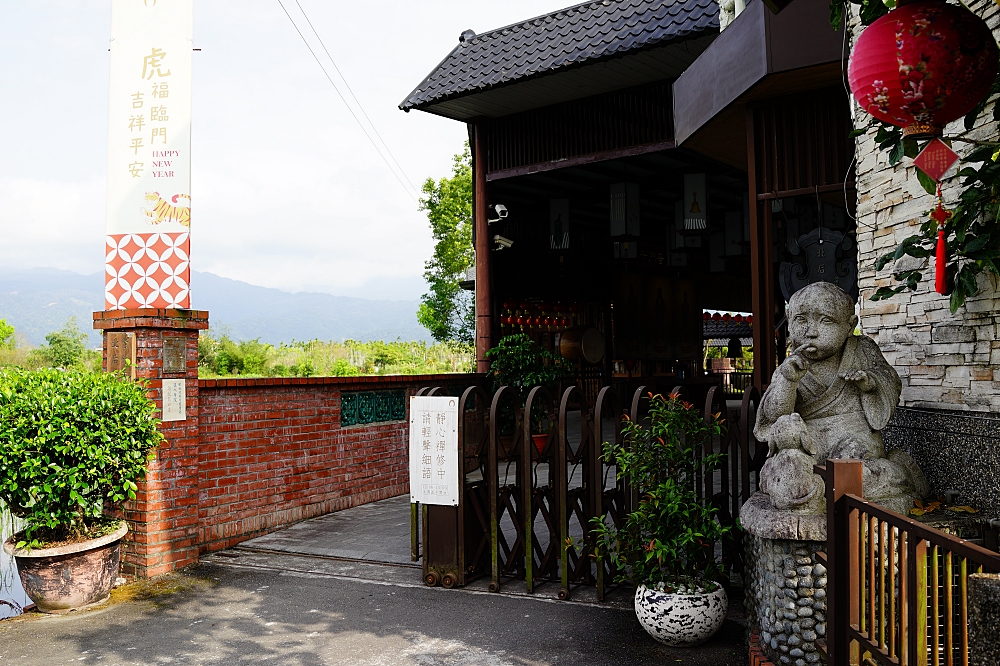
{"points": [[580, 34]]}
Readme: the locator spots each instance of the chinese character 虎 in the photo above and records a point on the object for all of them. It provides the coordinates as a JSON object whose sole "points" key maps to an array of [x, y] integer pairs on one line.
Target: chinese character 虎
{"points": [[137, 100], [159, 132], [136, 123], [161, 90], [158, 113], [152, 64], [135, 168], [136, 145]]}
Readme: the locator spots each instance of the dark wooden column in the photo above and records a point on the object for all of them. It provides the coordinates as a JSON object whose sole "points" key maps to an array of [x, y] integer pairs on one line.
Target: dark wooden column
{"points": [[761, 267], [483, 243]]}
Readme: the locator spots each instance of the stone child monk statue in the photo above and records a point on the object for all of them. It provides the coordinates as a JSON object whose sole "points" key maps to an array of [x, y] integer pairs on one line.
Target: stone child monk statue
{"points": [[830, 399]]}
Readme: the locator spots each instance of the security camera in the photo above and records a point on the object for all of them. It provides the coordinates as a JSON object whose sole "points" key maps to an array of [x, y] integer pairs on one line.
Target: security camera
{"points": [[502, 242], [501, 213]]}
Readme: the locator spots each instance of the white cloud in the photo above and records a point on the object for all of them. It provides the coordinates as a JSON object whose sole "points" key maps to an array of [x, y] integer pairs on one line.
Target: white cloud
{"points": [[287, 191]]}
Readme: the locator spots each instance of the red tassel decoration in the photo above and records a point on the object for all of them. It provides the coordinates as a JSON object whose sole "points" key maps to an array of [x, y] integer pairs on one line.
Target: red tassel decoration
{"points": [[941, 215], [940, 266]]}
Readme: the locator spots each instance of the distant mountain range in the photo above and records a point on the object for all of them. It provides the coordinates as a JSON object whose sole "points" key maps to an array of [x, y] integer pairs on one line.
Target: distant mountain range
{"points": [[38, 301]]}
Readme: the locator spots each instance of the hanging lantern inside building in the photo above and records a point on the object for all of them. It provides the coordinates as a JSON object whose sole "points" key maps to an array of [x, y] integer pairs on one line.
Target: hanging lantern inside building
{"points": [[923, 65]]}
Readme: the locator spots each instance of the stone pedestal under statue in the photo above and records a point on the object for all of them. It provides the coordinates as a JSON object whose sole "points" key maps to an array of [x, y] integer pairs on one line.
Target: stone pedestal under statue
{"points": [[785, 583]]}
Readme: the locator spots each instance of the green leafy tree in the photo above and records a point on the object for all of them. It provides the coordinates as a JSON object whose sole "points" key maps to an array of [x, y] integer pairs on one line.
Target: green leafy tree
{"points": [[66, 347], [6, 335], [447, 310]]}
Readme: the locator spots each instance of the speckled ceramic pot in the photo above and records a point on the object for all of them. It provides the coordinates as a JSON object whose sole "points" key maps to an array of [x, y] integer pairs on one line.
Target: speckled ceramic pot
{"points": [[61, 579], [680, 620]]}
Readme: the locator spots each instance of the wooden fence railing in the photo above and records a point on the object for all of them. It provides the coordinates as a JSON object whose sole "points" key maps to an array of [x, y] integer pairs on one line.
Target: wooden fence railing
{"points": [[898, 590]]}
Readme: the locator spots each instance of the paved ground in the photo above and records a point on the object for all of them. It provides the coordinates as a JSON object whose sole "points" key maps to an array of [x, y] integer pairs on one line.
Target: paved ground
{"points": [[288, 598]]}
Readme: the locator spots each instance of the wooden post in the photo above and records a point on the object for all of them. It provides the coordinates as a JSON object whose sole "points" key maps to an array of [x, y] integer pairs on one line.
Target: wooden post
{"points": [[761, 269], [483, 247], [843, 477]]}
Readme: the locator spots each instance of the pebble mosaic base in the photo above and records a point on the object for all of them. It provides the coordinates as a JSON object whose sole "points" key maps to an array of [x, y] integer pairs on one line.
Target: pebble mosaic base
{"points": [[786, 598]]}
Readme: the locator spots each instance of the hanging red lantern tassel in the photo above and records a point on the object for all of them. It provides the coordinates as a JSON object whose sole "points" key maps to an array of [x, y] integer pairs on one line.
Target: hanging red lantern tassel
{"points": [[941, 265], [941, 215]]}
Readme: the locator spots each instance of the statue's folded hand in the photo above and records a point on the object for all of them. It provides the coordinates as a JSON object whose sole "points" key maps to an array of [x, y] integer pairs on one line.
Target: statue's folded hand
{"points": [[796, 365], [861, 379]]}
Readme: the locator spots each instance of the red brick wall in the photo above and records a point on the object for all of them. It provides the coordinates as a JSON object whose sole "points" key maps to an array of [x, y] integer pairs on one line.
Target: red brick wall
{"points": [[272, 452]]}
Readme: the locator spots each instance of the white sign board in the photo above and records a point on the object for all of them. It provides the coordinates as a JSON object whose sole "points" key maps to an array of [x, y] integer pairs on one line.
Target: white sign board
{"points": [[434, 462], [149, 154], [174, 400]]}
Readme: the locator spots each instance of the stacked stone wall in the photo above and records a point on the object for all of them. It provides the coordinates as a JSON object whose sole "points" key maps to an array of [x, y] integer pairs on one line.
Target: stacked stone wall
{"points": [[946, 361]]}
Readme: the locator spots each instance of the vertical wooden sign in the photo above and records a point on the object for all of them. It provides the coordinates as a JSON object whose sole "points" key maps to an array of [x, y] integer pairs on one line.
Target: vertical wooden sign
{"points": [[121, 352]]}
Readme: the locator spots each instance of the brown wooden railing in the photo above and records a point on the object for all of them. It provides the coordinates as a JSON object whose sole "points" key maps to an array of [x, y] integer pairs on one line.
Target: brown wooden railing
{"points": [[898, 589]]}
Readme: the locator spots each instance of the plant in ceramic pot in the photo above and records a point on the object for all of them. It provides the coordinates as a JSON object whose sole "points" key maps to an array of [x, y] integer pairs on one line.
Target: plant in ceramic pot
{"points": [[518, 361], [73, 444], [665, 546]]}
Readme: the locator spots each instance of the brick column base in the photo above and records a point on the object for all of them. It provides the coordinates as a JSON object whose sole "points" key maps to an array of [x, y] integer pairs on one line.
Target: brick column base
{"points": [[163, 519]]}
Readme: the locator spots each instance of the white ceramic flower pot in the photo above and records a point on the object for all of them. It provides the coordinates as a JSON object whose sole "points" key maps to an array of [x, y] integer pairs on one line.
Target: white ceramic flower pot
{"points": [[680, 620]]}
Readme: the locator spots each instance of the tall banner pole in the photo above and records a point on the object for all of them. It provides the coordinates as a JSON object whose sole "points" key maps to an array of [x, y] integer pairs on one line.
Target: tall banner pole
{"points": [[149, 155]]}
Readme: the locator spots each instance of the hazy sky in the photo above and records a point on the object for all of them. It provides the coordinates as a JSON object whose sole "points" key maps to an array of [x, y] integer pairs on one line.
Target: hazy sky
{"points": [[287, 191]]}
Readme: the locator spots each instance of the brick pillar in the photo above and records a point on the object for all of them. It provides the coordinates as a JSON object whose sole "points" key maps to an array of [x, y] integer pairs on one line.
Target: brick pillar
{"points": [[163, 519]]}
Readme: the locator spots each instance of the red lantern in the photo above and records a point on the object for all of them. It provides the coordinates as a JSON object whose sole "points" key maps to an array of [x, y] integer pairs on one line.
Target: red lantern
{"points": [[726, 317], [923, 65], [716, 316], [738, 318]]}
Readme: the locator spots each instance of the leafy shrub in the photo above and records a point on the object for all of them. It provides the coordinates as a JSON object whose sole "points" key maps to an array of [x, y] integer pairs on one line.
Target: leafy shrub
{"points": [[221, 356], [72, 445], [516, 360], [669, 538]]}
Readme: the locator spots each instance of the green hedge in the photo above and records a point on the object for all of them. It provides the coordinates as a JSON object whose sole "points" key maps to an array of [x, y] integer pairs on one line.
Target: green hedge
{"points": [[72, 445]]}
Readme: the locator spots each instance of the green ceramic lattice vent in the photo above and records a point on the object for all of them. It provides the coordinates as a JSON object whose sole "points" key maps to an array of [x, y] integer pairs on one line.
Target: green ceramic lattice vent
{"points": [[372, 407]]}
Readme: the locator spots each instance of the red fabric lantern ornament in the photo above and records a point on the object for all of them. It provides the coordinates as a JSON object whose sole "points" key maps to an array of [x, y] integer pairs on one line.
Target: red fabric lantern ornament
{"points": [[923, 65]]}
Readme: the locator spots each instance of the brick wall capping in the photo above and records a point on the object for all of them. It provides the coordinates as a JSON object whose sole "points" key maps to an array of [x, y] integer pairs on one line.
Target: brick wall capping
{"points": [[357, 380], [151, 318]]}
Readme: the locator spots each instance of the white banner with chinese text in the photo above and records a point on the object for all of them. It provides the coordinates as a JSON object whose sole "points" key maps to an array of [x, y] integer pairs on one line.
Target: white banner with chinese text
{"points": [[434, 476], [149, 155]]}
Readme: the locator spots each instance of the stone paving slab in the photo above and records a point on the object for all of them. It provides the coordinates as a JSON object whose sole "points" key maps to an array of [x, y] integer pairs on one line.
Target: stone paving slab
{"points": [[228, 613], [378, 532]]}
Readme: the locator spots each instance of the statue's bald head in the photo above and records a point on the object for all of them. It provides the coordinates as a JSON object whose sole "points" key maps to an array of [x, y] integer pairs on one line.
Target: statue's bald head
{"points": [[836, 300], [820, 319]]}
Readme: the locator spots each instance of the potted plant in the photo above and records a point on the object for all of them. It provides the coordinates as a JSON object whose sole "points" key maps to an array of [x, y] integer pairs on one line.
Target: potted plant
{"points": [[665, 546], [517, 361], [73, 444]]}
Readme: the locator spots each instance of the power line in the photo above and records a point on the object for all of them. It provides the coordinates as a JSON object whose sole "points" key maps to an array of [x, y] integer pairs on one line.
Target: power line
{"points": [[339, 94], [355, 97]]}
